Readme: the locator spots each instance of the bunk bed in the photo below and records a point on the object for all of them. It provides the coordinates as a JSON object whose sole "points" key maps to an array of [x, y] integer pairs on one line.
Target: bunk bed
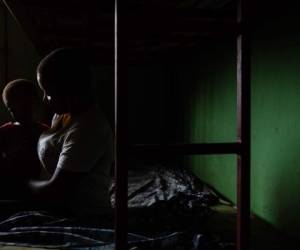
{"points": [[241, 148], [108, 29]]}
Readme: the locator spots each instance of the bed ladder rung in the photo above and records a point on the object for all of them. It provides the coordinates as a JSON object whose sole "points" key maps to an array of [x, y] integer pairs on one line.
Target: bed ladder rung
{"points": [[186, 149]]}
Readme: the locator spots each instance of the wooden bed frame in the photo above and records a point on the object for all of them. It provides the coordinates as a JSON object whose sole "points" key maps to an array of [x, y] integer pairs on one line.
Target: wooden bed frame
{"points": [[241, 147], [122, 25]]}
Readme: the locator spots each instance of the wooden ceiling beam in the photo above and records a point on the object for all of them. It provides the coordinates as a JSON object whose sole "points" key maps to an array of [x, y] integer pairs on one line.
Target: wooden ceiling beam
{"points": [[161, 30], [105, 6], [180, 12]]}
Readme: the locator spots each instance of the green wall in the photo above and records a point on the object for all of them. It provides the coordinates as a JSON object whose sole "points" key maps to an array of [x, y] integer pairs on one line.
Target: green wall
{"points": [[275, 127]]}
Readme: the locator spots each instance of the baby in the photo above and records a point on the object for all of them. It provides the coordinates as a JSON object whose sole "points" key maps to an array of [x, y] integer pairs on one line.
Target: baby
{"points": [[18, 138]]}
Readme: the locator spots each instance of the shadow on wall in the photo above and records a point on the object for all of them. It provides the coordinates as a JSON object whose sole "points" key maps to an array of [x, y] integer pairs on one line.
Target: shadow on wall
{"points": [[281, 200]]}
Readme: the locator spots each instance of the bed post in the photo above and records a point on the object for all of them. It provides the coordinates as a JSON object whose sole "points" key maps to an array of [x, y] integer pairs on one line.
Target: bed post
{"points": [[121, 128], [5, 43], [244, 126]]}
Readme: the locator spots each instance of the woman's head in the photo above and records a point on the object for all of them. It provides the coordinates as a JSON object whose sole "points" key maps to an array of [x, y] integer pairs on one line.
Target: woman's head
{"points": [[20, 98], [64, 76]]}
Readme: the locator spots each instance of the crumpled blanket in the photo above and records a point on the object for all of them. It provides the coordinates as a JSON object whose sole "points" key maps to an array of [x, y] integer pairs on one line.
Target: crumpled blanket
{"points": [[148, 186], [162, 199]]}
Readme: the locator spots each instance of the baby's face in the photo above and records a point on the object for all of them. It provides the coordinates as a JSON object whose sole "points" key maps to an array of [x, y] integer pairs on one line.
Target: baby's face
{"points": [[21, 110]]}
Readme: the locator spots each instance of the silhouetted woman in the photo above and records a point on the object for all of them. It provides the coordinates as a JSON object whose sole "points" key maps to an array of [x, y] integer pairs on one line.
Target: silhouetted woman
{"points": [[77, 151]]}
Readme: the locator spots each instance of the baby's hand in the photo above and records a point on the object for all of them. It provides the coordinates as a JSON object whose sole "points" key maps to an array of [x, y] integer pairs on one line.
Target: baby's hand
{"points": [[2, 156]]}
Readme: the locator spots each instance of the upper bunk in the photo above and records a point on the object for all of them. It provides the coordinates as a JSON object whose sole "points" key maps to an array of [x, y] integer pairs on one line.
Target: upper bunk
{"points": [[153, 29]]}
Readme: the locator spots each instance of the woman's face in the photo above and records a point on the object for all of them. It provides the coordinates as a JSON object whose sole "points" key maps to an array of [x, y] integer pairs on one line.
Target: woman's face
{"points": [[57, 101]]}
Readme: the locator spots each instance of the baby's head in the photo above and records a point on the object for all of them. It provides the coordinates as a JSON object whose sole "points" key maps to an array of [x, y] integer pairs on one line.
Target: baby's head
{"points": [[20, 98]]}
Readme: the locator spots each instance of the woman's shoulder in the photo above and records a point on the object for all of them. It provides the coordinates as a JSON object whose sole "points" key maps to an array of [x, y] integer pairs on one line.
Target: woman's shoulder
{"points": [[94, 119], [91, 127]]}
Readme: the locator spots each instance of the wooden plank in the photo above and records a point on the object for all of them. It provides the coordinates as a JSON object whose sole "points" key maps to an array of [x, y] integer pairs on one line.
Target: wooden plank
{"points": [[121, 128], [75, 5], [162, 11], [160, 25], [185, 149], [5, 45], [244, 126]]}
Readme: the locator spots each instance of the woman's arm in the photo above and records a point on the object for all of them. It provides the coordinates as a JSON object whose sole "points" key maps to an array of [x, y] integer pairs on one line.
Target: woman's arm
{"points": [[60, 187]]}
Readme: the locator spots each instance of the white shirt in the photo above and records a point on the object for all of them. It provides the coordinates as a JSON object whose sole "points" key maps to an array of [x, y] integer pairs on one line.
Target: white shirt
{"points": [[82, 144]]}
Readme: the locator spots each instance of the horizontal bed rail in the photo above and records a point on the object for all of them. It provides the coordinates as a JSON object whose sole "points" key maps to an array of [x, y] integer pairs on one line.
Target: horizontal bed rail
{"points": [[186, 149]]}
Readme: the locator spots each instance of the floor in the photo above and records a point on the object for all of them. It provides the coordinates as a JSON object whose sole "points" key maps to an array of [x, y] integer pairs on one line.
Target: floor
{"points": [[263, 235]]}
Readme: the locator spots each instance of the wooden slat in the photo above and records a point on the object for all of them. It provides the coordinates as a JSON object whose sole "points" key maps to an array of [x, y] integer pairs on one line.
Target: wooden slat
{"points": [[167, 24], [5, 45], [74, 5], [162, 11], [244, 126], [185, 149]]}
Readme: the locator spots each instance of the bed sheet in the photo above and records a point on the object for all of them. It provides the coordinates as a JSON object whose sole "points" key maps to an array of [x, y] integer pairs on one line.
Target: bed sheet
{"points": [[167, 209]]}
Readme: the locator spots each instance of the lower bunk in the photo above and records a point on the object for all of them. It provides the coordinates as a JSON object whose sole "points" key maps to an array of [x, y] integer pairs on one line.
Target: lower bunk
{"points": [[168, 209]]}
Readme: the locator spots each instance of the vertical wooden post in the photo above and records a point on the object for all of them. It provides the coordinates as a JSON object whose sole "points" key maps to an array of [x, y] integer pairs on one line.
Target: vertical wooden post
{"points": [[121, 127], [5, 44], [244, 127]]}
